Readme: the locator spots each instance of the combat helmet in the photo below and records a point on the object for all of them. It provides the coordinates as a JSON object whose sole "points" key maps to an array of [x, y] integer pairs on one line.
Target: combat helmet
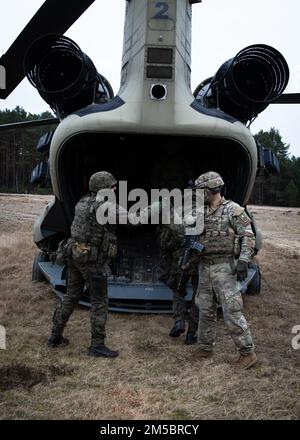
{"points": [[101, 180], [211, 179]]}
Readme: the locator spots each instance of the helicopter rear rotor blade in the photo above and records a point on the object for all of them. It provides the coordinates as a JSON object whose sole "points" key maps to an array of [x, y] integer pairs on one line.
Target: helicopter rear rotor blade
{"points": [[28, 124], [287, 98]]}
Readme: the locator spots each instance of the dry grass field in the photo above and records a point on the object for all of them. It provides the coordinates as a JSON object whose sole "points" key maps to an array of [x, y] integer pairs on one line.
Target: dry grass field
{"points": [[155, 377]]}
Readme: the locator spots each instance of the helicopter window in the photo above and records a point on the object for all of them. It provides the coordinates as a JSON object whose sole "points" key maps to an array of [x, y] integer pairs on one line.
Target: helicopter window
{"points": [[161, 72], [159, 55]]}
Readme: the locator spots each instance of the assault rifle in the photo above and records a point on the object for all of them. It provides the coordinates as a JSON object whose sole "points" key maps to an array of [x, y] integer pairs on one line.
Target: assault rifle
{"points": [[190, 244]]}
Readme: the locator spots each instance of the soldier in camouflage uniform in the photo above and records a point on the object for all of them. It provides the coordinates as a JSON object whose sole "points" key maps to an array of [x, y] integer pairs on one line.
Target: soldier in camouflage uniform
{"points": [[229, 246], [93, 244], [171, 238]]}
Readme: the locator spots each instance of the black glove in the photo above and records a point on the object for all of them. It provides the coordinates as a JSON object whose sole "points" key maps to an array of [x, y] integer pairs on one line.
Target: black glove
{"points": [[241, 270]]}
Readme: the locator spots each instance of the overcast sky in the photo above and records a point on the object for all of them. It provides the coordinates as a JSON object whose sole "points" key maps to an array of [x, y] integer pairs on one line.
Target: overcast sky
{"points": [[221, 28]]}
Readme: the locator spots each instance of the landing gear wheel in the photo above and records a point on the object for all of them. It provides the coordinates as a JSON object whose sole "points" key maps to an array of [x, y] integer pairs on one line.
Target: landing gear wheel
{"points": [[37, 274]]}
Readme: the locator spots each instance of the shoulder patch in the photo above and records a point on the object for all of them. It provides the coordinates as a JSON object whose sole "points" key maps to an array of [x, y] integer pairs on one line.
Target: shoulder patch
{"points": [[238, 211], [244, 219]]}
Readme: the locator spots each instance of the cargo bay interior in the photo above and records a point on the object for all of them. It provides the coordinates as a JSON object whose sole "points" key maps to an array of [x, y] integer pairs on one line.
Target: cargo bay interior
{"points": [[146, 162]]}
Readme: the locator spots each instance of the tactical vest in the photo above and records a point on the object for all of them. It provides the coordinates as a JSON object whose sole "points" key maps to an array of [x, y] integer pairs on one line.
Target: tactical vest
{"points": [[171, 238], [218, 236], [85, 228]]}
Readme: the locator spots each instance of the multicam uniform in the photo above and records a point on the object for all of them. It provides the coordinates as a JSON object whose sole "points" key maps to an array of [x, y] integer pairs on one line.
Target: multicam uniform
{"points": [[227, 235]]}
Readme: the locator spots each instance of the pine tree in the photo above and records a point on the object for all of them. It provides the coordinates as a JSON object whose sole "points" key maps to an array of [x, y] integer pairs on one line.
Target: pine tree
{"points": [[291, 193], [279, 189], [273, 140], [18, 154]]}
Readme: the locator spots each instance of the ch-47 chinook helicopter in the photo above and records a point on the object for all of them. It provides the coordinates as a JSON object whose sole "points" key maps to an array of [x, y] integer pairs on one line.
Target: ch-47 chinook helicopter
{"points": [[154, 110]]}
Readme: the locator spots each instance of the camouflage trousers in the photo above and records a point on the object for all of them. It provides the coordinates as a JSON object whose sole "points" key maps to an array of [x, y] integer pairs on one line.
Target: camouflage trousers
{"points": [[217, 282], [180, 311], [78, 275]]}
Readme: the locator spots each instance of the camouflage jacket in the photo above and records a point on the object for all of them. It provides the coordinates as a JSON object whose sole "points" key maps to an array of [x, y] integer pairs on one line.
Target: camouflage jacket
{"points": [[171, 238], [86, 229]]}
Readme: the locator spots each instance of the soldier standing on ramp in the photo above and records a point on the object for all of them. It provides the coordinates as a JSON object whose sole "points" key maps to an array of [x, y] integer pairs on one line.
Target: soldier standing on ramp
{"points": [[171, 238], [227, 236], [92, 246]]}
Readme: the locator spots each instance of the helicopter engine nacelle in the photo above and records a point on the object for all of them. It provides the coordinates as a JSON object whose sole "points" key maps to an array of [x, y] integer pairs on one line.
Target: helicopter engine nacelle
{"points": [[64, 76], [246, 84]]}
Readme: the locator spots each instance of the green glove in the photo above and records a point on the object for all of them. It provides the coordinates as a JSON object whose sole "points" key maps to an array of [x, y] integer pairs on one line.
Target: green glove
{"points": [[241, 270]]}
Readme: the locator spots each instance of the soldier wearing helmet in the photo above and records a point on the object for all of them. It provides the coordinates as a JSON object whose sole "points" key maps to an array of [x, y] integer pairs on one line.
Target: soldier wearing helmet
{"points": [[90, 247], [101, 180], [229, 246]]}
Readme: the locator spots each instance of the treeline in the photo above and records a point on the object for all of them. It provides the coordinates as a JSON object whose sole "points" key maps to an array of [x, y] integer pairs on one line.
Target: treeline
{"points": [[18, 154], [18, 157], [282, 189]]}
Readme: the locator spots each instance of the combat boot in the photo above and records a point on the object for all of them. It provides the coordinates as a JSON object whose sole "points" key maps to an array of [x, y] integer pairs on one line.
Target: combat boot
{"points": [[245, 362], [57, 341], [102, 351], [177, 329], [190, 339]]}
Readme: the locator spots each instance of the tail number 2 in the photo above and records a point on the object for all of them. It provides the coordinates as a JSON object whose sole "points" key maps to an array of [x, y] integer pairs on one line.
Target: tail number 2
{"points": [[163, 8]]}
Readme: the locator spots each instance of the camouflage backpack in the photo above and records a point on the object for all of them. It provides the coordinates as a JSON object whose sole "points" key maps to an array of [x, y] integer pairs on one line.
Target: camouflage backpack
{"points": [[85, 228]]}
